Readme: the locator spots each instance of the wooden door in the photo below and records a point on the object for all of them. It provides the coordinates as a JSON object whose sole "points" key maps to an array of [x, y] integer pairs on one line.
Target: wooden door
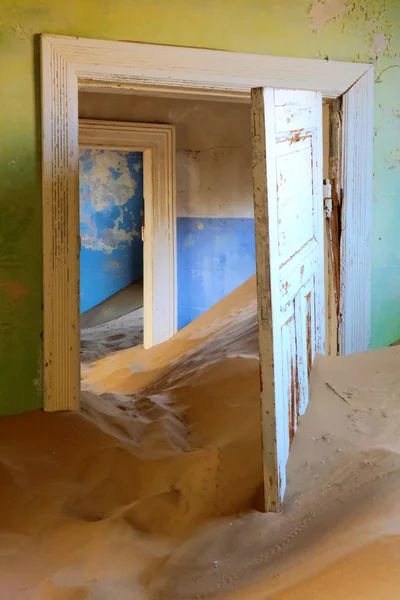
{"points": [[288, 202]]}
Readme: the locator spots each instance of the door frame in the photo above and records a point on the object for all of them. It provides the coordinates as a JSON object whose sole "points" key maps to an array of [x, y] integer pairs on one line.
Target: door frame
{"points": [[69, 64], [157, 143]]}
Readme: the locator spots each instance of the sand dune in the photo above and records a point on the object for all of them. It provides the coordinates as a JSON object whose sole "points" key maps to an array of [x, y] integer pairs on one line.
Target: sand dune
{"points": [[153, 491]]}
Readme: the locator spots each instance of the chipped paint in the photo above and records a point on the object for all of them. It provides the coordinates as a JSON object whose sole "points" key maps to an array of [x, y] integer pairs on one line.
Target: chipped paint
{"points": [[295, 136], [380, 44], [111, 217], [323, 12], [309, 336], [294, 395]]}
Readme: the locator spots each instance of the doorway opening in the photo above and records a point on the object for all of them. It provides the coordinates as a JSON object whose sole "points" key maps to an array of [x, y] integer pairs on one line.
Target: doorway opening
{"points": [[111, 253], [286, 97], [127, 235], [215, 241]]}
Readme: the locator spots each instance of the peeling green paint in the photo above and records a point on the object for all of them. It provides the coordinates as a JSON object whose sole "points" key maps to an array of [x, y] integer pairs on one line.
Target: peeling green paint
{"points": [[364, 31]]}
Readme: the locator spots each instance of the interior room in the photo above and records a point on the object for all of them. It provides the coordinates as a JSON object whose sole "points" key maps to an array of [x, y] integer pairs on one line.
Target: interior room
{"points": [[214, 210], [215, 243], [199, 300]]}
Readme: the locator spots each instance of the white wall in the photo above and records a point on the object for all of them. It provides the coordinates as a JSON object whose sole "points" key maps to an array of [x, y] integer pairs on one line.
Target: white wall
{"points": [[214, 176]]}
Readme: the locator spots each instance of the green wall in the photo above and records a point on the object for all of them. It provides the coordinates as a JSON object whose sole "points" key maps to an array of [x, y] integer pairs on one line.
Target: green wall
{"points": [[366, 31]]}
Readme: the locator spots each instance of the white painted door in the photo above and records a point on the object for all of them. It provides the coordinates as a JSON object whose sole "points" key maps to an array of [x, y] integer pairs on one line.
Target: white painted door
{"points": [[288, 203]]}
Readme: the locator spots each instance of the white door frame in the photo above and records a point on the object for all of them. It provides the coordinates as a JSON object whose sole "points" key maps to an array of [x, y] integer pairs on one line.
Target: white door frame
{"points": [[69, 64], [157, 143]]}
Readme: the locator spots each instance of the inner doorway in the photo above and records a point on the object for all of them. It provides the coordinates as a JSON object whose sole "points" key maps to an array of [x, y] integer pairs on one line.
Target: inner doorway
{"points": [[127, 235], [111, 250]]}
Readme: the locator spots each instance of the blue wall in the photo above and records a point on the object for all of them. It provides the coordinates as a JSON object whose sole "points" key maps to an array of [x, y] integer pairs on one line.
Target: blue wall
{"points": [[111, 210], [215, 256]]}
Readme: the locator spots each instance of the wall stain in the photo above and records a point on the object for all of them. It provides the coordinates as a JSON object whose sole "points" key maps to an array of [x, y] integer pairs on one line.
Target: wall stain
{"points": [[14, 289]]}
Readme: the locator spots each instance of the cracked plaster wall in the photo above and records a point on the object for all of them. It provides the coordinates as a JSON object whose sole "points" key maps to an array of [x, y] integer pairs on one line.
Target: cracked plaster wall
{"points": [[367, 31], [111, 217]]}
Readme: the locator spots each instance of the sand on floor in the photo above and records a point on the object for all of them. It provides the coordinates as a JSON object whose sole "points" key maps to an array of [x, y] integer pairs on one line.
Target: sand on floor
{"points": [[117, 334], [154, 489]]}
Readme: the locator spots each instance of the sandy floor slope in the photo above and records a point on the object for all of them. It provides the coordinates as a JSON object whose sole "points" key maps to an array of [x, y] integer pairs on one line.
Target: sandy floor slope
{"points": [[153, 490], [118, 334]]}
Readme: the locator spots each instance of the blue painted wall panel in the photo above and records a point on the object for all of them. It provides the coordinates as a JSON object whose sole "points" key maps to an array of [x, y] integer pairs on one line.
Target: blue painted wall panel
{"points": [[111, 210], [214, 257]]}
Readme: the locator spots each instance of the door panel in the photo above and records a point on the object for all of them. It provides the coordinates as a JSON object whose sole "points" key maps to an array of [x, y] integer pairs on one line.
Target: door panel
{"points": [[287, 178]]}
